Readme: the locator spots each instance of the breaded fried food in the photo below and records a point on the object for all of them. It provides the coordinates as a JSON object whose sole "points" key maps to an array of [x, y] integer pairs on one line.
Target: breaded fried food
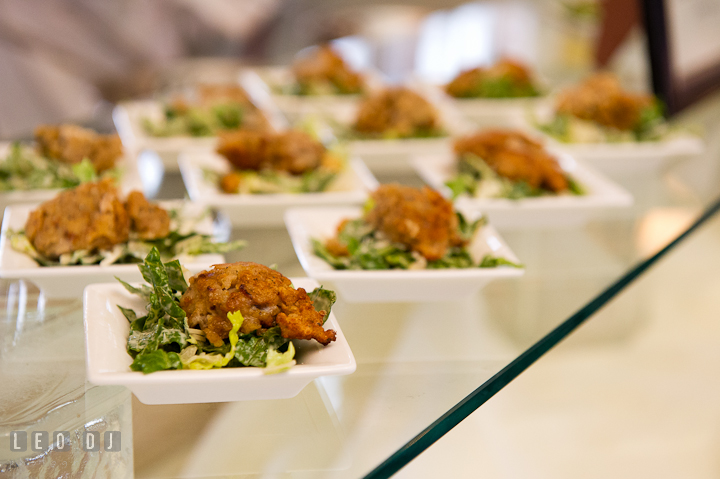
{"points": [[89, 217], [264, 297], [515, 156], [293, 151], [149, 221], [421, 219], [466, 83], [71, 144], [601, 99], [324, 66], [398, 112]]}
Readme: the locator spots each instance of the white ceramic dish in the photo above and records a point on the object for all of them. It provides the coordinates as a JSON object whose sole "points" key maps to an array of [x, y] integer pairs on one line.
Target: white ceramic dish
{"points": [[496, 111], [393, 156], [267, 209], [108, 363], [69, 281], [129, 181], [623, 156], [560, 210], [128, 118], [397, 285]]}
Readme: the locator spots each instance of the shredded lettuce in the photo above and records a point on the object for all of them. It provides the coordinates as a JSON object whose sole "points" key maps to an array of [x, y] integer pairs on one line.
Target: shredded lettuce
{"points": [[499, 87], [196, 121], [369, 249], [24, 169], [476, 178]]}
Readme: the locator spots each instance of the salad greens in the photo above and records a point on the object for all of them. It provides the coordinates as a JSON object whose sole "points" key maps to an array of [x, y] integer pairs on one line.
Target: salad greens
{"points": [[24, 169], [476, 178], [369, 249], [569, 129], [499, 87], [162, 339], [183, 240], [196, 121], [272, 181]]}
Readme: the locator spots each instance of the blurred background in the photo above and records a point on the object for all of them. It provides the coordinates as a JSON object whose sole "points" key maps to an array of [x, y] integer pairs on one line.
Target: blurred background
{"points": [[71, 60]]}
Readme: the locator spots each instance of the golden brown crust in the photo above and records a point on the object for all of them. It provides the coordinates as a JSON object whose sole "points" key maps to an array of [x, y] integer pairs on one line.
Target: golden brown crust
{"points": [[148, 220], [263, 296], [71, 144], [398, 111], [89, 217], [466, 81], [292, 151], [515, 156], [93, 217], [323, 65], [421, 219], [601, 99]]}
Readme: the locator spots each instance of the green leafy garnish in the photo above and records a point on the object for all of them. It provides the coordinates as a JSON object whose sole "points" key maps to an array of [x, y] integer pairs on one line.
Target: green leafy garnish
{"points": [[368, 249], [196, 121], [476, 178], [24, 169]]}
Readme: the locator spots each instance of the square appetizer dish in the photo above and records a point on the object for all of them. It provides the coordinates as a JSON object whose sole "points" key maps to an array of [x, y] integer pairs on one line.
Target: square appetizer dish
{"points": [[318, 80], [239, 331], [502, 92], [389, 126], [599, 121], [91, 233], [255, 176], [406, 244], [516, 181], [62, 156], [192, 120]]}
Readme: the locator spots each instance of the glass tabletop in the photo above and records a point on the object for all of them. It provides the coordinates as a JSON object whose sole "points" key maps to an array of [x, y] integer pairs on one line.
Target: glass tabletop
{"points": [[616, 389]]}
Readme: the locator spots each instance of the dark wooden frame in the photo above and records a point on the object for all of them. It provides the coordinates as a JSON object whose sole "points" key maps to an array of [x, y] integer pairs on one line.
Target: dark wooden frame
{"points": [[676, 93]]}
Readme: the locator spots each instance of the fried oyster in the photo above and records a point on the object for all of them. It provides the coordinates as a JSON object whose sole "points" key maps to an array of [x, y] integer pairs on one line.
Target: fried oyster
{"points": [[264, 297], [469, 83], [324, 68], [601, 99], [71, 144], [92, 217], [421, 219], [515, 156], [398, 112]]}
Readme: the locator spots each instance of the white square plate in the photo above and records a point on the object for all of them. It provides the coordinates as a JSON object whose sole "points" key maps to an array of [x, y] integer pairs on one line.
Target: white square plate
{"points": [[130, 181], [395, 285], [69, 281], [558, 210], [108, 363], [350, 188], [623, 157], [392, 156]]}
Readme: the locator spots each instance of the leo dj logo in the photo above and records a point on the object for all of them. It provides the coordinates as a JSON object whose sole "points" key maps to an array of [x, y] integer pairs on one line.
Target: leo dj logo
{"points": [[90, 441]]}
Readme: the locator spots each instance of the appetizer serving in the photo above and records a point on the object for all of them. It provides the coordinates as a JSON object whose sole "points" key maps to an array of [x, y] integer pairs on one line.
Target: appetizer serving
{"points": [[323, 72], [240, 314], [261, 313], [91, 224], [217, 108], [64, 156], [502, 163], [287, 162], [505, 79], [599, 110], [396, 113], [405, 228]]}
